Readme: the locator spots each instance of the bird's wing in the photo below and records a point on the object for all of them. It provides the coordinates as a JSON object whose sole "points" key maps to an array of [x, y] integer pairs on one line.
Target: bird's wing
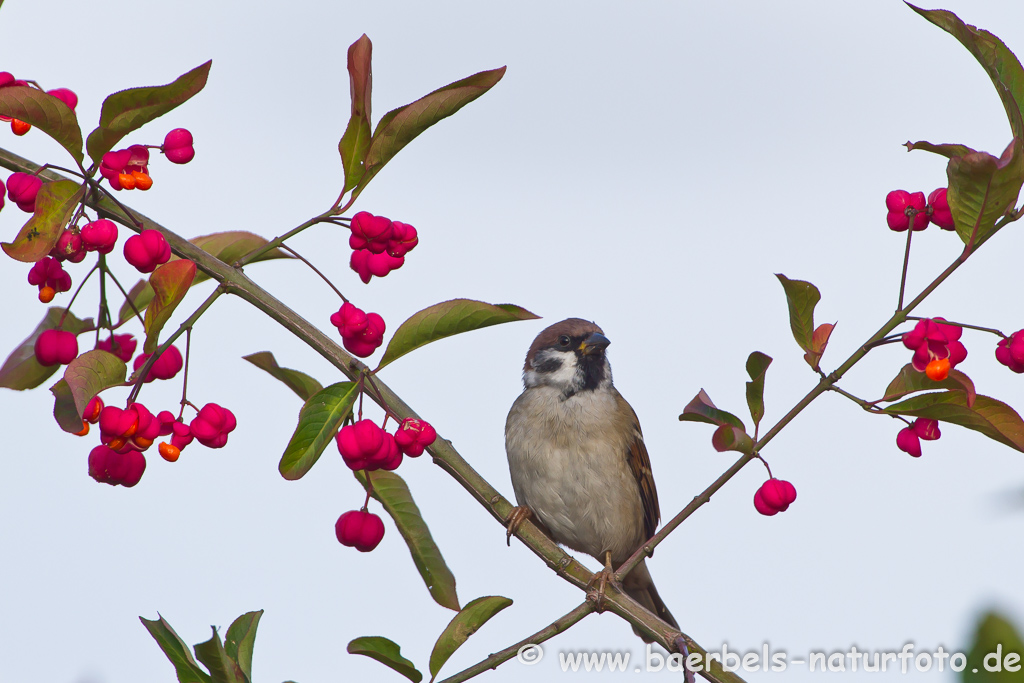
{"points": [[640, 465]]}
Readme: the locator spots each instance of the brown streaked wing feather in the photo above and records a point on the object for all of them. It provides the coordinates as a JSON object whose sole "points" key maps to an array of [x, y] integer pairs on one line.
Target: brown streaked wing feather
{"points": [[640, 466]]}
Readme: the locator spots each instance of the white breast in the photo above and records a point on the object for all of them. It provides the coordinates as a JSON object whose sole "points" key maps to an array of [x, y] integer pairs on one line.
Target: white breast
{"points": [[568, 465]]}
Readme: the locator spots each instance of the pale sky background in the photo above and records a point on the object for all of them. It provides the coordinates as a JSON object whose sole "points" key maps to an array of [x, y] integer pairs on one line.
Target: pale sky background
{"points": [[646, 165]]}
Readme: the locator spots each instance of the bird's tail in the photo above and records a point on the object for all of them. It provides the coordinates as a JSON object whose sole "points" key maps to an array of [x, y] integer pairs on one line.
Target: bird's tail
{"points": [[639, 586]]}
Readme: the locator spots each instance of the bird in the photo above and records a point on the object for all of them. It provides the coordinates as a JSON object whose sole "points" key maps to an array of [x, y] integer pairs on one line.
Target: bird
{"points": [[577, 458]]}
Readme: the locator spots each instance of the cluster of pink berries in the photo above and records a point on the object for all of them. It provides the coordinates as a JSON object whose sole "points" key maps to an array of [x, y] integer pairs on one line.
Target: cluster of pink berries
{"points": [[365, 446], [936, 346], [909, 210], [379, 245], [126, 433], [774, 496], [909, 438], [128, 169], [21, 127]]}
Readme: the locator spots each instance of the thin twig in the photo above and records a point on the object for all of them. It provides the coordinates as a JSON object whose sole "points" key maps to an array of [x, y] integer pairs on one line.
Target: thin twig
{"points": [[314, 269]]}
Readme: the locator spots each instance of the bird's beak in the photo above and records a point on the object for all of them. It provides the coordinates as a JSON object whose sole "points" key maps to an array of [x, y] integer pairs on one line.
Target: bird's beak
{"points": [[594, 344]]}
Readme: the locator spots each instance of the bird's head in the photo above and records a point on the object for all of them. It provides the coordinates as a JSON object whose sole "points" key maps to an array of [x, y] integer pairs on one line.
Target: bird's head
{"points": [[569, 356]]}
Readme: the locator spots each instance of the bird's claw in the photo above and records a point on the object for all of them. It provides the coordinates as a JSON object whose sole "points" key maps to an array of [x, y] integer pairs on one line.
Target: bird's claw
{"points": [[519, 514]]}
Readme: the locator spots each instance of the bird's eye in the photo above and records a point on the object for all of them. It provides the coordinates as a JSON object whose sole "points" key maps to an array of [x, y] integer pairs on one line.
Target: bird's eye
{"points": [[564, 341]]}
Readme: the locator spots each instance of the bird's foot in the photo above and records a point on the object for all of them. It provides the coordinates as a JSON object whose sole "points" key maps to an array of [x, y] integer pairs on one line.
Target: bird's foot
{"points": [[519, 514], [601, 580]]}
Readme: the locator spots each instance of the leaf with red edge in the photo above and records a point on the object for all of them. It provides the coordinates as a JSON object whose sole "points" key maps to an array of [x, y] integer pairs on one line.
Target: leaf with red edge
{"points": [[85, 376], [802, 297], [991, 417], [701, 409], [446, 319], [227, 246], [170, 283], [21, 370], [129, 110], [356, 140], [400, 126], [911, 381], [47, 113], [730, 438], [819, 340], [55, 204]]}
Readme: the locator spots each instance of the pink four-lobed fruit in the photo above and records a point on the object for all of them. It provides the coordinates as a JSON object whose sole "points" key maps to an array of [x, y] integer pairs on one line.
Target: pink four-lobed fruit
{"points": [[369, 232], [178, 147], [99, 235], [368, 264], [774, 496], [47, 272], [909, 438], [121, 345], [941, 215], [56, 347], [898, 202], [166, 366], [414, 435], [69, 247], [108, 466], [1010, 351], [22, 189], [212, 425], [935, 339], [359, 529], [66, 96], [361, 333], [147, 250], [365, 446]]}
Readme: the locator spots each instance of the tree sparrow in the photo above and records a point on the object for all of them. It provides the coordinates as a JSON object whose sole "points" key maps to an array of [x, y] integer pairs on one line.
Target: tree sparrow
{"points": [[577, 457]]}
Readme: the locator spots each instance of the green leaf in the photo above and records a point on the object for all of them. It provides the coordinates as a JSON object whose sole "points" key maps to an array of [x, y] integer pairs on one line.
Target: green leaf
{"points": [[802, 297], [129, 110], [21, 370], [757, 365], [400, 126], [55, 204], [174, 648], [213, 655], [240, 640], [170, 283], [464, 624], [299, 382], [910, 381], [730, 438], [991, 417], [819, 340], [356, 140], [393, 493], [701, 409], [999, 62], [85, 376], [319, 421], [982, 188], [446, 319], [226, 246], [995, 642], [47, 113], [386, 652]]}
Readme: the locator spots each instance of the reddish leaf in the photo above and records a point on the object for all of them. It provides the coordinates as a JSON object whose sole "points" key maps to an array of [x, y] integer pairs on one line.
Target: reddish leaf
{"points": [[991, 417], [55, 204], [819, 340], [170, 283], [356, 140], [21, 370], [801, 297], [730, 438], [911, 381], [86, 376], [701, 409], [47, 113], [129, 110]]}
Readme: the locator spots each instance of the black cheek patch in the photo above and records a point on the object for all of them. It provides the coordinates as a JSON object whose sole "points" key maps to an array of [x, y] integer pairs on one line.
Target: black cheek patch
{"points": [[548, 365]]}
